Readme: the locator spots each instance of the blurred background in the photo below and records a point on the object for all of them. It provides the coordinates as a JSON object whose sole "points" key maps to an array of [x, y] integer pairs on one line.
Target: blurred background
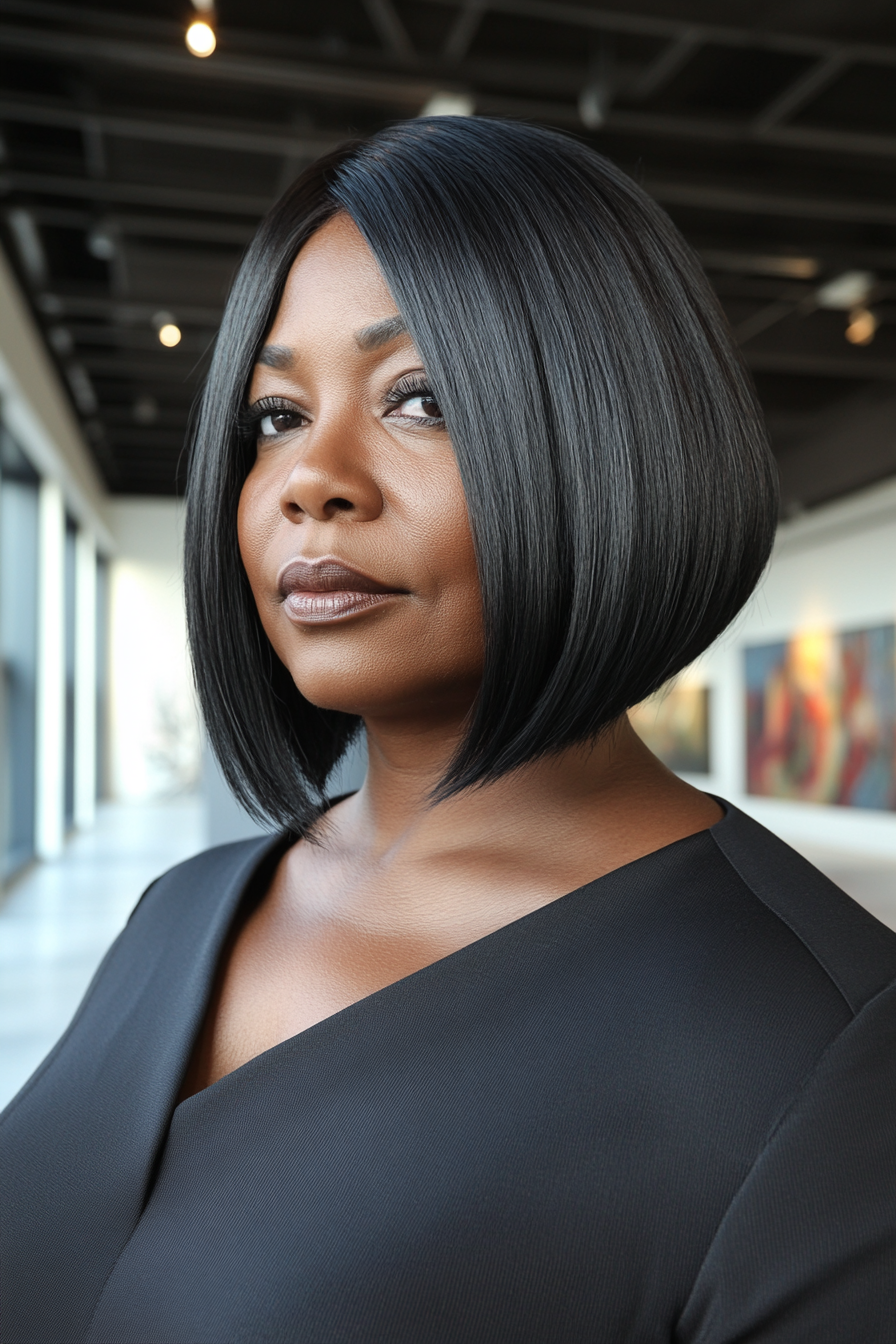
{"points": [[140, 144]]}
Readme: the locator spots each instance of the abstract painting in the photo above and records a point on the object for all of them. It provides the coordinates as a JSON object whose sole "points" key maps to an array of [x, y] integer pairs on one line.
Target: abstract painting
{"points": [[821, 718], [674, 724]]}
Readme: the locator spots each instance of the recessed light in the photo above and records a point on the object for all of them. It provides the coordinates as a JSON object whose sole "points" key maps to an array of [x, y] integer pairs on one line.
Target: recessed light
{"points": [[200, 38], [862, 326]]}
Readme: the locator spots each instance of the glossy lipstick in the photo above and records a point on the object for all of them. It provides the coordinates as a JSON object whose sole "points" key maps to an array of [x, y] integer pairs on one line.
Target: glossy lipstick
{"points": [[317, 591]]}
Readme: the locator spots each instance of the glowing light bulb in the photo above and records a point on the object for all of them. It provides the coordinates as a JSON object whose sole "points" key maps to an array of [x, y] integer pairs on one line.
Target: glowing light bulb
{"points": [[201, 39], [170, 334], [862, 326]]}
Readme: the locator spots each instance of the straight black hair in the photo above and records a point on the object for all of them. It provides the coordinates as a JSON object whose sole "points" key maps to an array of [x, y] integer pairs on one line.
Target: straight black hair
{"points": [[621, 492]]}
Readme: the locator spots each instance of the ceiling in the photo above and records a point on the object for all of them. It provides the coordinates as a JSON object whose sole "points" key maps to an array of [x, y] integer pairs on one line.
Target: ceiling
{"points": [[132, 175]]}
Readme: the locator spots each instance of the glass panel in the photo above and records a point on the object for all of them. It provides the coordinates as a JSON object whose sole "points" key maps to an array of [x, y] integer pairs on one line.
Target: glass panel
{"points": [[18, 649], [71, 535], [102, 677]]}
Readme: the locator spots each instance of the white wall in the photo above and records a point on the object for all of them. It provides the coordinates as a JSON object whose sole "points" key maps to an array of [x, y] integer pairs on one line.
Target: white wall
{"points": [[154, 724], [38, 412], [833, 569]]}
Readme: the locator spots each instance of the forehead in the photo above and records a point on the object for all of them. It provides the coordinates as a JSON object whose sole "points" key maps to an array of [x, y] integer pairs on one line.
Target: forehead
{"points": [[334, 284]]}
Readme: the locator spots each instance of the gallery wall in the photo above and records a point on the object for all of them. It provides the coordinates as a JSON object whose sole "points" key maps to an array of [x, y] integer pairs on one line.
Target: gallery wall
{"points": [[832, 571], [154, 728]]}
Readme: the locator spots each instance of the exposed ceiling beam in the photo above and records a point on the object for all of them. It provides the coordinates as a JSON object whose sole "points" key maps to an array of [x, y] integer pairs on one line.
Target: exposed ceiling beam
{"points": [[801, 91], [549, 11], [862, 366], [100, 366], [624, 121], [739, 200], [768, 262], [167, 417], [463, 30], [389, 27], [253, 71], [617, 21], [830, 141], [137, 337], [256, 140], [674, 56], [131, 193], [126, 313], [769, 315], [143, 437], [108, 20], [147, 226]]}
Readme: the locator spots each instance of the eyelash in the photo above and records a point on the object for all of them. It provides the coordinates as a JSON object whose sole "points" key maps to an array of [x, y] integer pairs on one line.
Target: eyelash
{"points": [[414, 385], [250, 417], [410, 386]]}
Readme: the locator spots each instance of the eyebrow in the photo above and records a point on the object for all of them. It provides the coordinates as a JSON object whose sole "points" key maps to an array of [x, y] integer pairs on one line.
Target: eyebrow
{"points": [[276, 357], [380, 333], [368, 338]]}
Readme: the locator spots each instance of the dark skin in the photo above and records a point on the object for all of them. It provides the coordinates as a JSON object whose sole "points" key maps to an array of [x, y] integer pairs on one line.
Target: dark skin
{"points": [[354, 463]]}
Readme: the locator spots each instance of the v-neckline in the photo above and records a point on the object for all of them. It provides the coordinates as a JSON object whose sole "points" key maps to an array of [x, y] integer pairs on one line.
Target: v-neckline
{"points": [[274, 853]]}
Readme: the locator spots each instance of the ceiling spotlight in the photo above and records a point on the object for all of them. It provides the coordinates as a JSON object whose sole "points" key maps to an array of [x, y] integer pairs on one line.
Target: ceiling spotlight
{"points": [[596, 94], [167, 330], [850, 290], [862, 326], [443, 103], [201, 40]]}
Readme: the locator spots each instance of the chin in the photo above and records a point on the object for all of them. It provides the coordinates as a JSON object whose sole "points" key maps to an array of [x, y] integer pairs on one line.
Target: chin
{"points": [[350, 690]]}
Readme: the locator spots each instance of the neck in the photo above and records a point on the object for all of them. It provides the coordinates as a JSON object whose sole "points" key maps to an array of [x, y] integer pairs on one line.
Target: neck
{"points": [[614, 791]]}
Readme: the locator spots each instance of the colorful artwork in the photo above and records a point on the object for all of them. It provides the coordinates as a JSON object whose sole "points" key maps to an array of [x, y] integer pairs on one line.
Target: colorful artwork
{"points": [[674, 723], [821, 718]]}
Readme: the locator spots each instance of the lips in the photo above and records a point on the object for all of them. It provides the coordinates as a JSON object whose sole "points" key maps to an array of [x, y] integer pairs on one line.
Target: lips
{"points": [[315, 591]]}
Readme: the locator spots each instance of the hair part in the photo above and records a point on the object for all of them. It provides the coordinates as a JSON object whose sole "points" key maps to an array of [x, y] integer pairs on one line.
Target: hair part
{"points": [[621, 492]]}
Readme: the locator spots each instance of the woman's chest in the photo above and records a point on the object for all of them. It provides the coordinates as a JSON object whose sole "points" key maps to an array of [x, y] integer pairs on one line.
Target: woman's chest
{"points": [[324, 937], [462, 1168]]}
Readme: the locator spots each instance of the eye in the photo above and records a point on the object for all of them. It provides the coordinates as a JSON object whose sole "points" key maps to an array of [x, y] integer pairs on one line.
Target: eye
{"points": [[270, 418], [413, 400], [278, 422], [423, 406]]}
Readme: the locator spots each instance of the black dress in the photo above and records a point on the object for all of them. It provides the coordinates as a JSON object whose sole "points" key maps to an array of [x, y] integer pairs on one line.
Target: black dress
{"points": [[660, 1108]]}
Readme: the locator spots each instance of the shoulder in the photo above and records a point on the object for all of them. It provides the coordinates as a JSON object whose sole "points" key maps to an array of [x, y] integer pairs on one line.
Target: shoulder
{"points": [[807, 1245], [728, 966], [853, 951], [169, 946], [203, 882]]}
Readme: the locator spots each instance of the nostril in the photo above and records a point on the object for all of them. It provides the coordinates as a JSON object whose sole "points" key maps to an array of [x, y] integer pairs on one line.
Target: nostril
{"points": [[342, 505]]}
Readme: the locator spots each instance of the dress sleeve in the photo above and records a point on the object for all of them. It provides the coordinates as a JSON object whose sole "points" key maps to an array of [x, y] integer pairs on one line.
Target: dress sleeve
{"points": [[806, 1253]]}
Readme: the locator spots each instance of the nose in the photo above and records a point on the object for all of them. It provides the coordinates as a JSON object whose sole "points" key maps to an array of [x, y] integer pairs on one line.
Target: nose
{"points": [[331, 475]]}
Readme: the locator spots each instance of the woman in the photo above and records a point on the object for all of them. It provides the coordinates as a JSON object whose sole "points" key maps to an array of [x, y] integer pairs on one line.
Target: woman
{"points": [[527, 1039]]}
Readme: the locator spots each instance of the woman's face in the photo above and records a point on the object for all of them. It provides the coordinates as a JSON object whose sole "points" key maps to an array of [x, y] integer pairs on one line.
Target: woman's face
{"points": [[353, 524]]}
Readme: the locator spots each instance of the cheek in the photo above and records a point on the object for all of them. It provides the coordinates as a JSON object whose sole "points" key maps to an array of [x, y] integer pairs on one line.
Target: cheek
{"points": [[258, 520], [437, 528]]}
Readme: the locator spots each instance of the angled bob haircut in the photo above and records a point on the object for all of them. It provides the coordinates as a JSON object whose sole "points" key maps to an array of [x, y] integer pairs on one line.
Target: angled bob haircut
{"points": [[621, 492]]}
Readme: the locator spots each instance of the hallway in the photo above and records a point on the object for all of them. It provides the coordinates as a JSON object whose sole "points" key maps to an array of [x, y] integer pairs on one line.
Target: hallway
{"points": [[58, 919]]}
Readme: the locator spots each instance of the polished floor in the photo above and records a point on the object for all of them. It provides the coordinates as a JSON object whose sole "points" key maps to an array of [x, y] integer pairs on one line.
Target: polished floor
{"points": [[58, 919]]}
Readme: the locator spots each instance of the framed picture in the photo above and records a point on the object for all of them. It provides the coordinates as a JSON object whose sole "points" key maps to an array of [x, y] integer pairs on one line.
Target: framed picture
{"points": [[674, 724], [821, 718]]}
